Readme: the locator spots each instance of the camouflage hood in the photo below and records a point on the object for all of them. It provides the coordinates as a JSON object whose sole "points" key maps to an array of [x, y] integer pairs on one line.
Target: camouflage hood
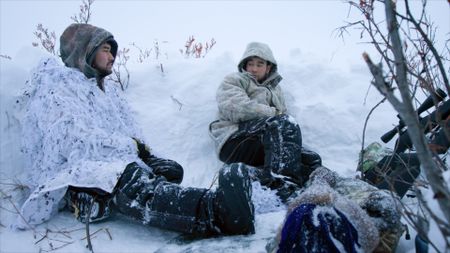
{"points": [[260, 50], [79, 43]]}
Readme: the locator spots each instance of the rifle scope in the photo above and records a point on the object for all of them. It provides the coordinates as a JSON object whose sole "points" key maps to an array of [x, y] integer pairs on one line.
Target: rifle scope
{"points": [[437, 95]]}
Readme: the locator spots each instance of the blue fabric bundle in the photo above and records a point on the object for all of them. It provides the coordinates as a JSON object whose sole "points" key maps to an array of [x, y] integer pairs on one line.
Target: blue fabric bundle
{"points": [[299, 234]]}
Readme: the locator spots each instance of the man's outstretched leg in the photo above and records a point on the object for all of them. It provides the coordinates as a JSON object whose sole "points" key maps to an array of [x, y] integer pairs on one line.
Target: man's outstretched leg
{"points": [[228, 210]]}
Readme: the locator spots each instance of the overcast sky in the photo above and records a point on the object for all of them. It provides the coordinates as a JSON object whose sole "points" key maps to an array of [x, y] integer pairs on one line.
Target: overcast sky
{"points": [[305, 27]]}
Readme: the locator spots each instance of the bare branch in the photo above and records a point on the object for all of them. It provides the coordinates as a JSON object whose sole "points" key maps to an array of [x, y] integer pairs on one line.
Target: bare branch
{"points": [[143, 53], [120, 67], [84, 16], [47, 40], [364, 130], [4, 56], [406, 111], [430, 46], [88, 235], [177, 102], [197, 50], [19, 213]]}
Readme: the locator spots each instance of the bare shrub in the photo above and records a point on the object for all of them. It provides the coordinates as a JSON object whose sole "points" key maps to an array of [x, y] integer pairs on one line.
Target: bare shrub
{"points": [[121, 75], [85, 14], [4, 56], [143, 54], [197, 49], [47, 39]]}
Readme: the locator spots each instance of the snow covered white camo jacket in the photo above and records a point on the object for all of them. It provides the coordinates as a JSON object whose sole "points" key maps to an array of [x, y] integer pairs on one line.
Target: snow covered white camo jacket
{"points": [[240, 97], [73, 134]]}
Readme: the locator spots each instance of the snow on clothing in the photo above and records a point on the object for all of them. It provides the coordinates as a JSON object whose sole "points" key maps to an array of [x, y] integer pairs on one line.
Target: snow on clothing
{"points": [[73, 134], [383, 207], [272, 144], [149, 198], [321, 220], [252, 127], [329, 231], [373, 213], [79, 138], [241, 98], [81, 141]]}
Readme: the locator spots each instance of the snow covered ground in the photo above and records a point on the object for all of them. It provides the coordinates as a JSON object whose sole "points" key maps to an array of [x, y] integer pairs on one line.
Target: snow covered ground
{"points": [[174, 108]]}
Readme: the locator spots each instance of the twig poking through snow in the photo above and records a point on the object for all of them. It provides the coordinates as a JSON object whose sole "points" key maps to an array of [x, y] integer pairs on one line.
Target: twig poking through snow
{"points": [[88, 236], [177, 102]]}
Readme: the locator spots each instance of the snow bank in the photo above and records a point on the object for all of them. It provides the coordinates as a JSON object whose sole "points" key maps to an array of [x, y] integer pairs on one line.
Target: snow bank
{"points": [[174, 108]]}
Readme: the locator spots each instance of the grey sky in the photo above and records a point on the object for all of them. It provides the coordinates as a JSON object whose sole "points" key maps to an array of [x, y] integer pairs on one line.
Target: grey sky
{"points": [[285, 25]]}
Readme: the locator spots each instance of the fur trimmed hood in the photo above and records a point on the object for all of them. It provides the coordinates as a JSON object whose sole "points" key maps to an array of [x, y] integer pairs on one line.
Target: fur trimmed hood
{"points": [[260, 50]]}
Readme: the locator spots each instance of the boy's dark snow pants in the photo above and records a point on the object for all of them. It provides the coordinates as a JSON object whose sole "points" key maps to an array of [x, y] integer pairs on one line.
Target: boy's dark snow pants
{"points": [[272, 144]]}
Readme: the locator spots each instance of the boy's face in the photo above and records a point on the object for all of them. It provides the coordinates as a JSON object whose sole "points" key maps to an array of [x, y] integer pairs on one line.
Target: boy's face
{"points": [[104, 60], [258, 68]]}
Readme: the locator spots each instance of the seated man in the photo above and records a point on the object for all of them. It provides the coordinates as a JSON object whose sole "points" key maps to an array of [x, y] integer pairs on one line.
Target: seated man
{"points": [[81, 142], [253, 127]]}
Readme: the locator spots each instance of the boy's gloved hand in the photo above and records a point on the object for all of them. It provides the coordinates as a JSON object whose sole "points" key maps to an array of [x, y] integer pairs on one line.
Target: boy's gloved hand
{"points": [[143, 150]]}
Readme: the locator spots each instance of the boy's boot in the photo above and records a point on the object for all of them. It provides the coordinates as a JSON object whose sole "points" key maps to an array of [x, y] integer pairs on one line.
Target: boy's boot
{"points": [[285, 189]]}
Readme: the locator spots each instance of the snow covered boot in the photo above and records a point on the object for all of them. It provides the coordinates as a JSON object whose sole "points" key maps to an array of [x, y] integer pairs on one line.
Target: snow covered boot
{"points": [[282, 141], [81, 200], [310, 161], [288, 187], [310, 158], [285, 189], [226, 211], [233, 206]]}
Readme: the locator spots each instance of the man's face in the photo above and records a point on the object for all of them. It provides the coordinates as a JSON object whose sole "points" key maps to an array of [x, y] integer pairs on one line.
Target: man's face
{"points": [[258, 68], [104, 60]]}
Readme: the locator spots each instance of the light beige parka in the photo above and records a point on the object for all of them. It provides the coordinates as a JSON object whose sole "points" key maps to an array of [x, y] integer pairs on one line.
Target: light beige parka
{"points": [[240, 97]]}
